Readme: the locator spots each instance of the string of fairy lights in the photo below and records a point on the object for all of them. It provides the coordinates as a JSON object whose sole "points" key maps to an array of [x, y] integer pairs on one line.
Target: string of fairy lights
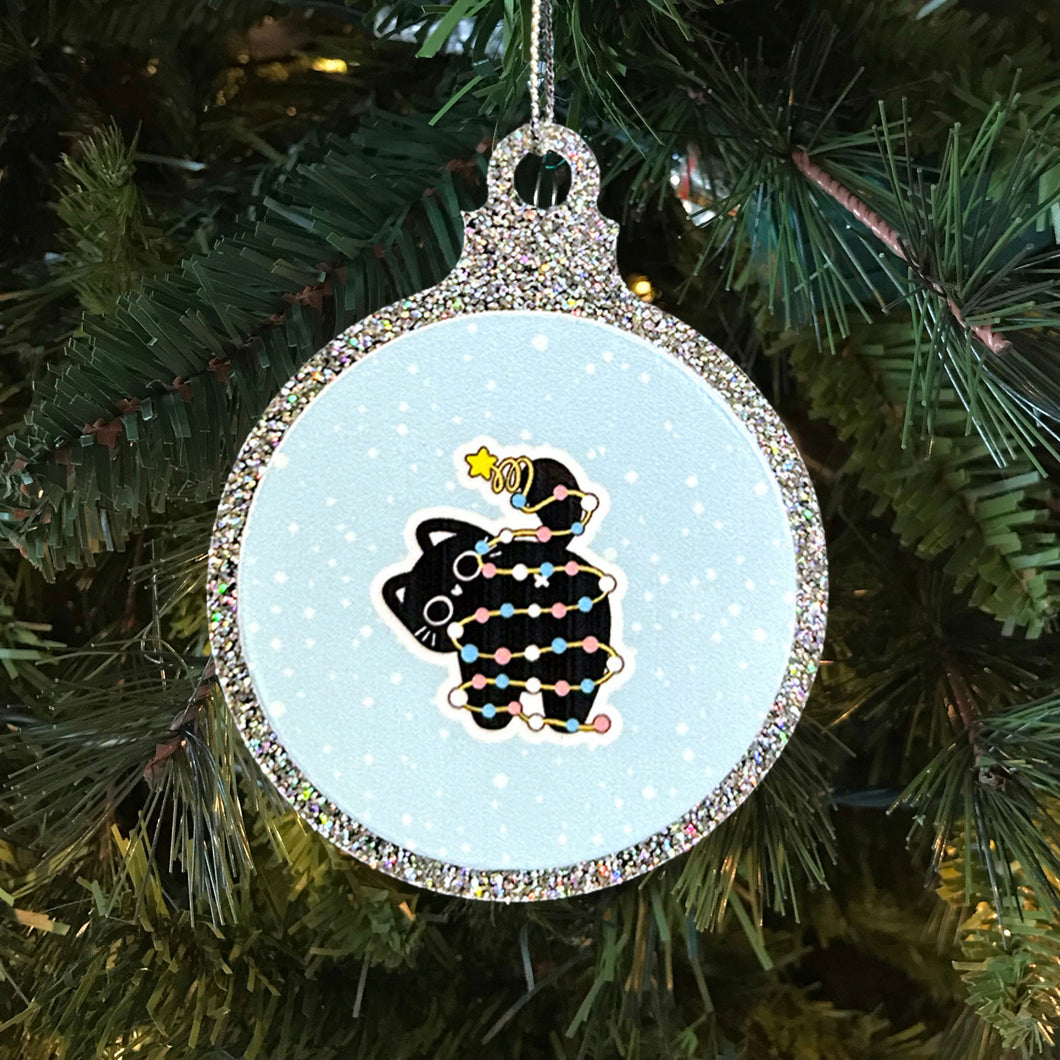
{"points": [[508, 475]]}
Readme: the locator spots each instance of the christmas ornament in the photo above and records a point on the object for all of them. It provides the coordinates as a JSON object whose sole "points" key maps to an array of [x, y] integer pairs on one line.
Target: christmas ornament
{"points": [[518, 587]]}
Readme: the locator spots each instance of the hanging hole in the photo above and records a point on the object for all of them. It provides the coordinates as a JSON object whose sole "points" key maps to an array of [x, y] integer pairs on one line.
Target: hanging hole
{"points": [[543, 181]]}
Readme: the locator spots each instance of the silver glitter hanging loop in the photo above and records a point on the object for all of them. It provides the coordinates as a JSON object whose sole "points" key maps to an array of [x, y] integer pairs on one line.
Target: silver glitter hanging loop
{"points": [[585, 170], [541, 34]]}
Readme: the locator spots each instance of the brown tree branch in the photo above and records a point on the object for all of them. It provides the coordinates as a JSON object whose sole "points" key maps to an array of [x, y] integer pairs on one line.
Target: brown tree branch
{"points": [[886, 234]]}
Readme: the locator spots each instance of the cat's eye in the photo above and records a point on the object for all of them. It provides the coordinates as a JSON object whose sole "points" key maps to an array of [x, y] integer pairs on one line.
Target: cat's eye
{"points": [[438, 610], [466, 566]]}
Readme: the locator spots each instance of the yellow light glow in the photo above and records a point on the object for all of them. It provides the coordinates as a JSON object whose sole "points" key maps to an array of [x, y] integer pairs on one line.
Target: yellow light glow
{"points": [[331, 66], [642, 288]]}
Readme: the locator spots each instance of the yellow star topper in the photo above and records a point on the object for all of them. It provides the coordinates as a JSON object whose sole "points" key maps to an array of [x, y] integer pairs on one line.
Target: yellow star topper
{"points": [[481, 463]]}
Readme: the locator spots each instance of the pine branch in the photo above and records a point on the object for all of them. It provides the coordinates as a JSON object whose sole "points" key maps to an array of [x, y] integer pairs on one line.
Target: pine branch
{"points": [[992, 529], [83, 757], [997, 786], [112, 240], [1010, 963], [832, 218], [788, 1023], [289, 960], [778, 840], [80, 474], [995, 342], [597, 47]]}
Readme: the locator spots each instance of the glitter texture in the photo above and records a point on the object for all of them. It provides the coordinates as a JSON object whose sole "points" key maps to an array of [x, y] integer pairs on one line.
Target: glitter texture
{"points": [[519, 257]]}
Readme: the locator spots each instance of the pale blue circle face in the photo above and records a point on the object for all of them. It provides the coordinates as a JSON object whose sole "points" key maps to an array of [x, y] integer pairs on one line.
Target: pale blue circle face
{"points": [[690, 525]]}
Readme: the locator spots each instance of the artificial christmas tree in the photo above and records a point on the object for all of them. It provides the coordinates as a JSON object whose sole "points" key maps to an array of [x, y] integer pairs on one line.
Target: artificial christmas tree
{"points": [[198, 197]]}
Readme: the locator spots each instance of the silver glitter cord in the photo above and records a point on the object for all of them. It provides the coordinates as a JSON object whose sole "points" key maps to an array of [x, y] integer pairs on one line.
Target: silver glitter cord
{"points": [[541, 34]]}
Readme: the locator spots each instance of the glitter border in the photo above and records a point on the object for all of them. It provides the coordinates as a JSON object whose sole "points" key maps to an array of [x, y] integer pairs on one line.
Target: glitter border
{"points": [[519, 257]]}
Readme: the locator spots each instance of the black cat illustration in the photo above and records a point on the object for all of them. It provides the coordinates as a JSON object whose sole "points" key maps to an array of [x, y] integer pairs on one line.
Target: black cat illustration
{"points": [[560, 648]]}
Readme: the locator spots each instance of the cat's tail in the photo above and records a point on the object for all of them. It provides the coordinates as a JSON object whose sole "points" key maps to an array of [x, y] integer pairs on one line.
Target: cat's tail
{"points": [[560, 514]]}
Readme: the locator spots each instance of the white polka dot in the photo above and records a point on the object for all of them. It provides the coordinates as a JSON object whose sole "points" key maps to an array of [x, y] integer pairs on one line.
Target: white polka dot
{"points": [[472, 328], [540, 343], [590, 369], [406, 819], [648, 792], [734, 609], [373, 452], [276, 644], [500, 781], [253, 627], [396, 678], [292, 528], [698, 508], [759, 635], [365, 631], [688, 754], [280, 460], [402, 429], [691, 482], [631, 476], [681, 728], [749, 585], [761, 489], [331, 502], [711, 574], [280, 577], [278, 708]]}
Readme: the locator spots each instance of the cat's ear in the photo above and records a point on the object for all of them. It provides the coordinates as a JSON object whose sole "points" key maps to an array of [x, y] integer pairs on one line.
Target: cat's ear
{"points": [[433, 532], [394, 590]]}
